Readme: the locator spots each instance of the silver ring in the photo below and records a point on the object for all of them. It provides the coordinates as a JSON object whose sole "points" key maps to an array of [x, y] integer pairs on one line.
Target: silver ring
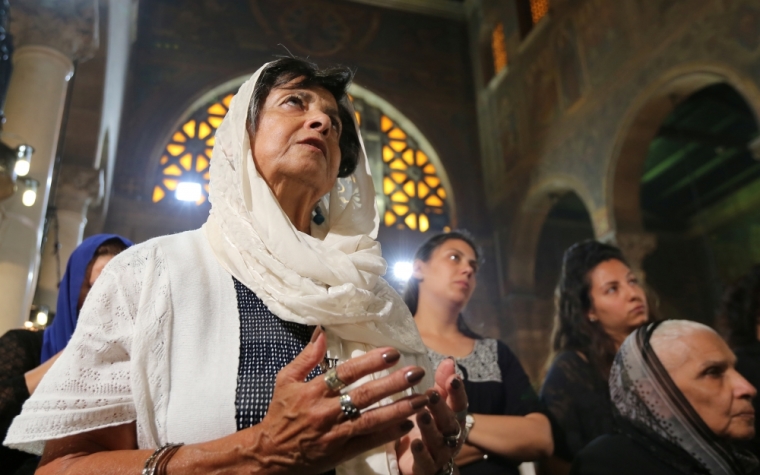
{"points": [[349, 408], [452, 441], [332, 380]]}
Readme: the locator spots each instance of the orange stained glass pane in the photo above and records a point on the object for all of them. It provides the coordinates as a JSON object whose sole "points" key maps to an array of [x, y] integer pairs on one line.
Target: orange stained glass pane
{"points": [[358, 117], [217, 109], [186, 161], [400, 209], [424, 223], [399, 197], [164, 159], [201, 163], [158, 194], [210, 142], [215, 121], [408, 156], [397, 133], [422, 190], [429, 169], [189, 128], [390, 218], [433, 200], [411, 221], [446, 229], [499, 48], [170, 184], [398, 177], [206, 187], [209, 152], [207, 176], [175, 149], [442, 193], [422, 159], [409, 188], [203, 130], [173, 170], [398, 145], [398, 164], [385, 124], [200, 200], [432, 181], [227, 99], [388, 186], [538, 9], [179, 137], [388, 154]]}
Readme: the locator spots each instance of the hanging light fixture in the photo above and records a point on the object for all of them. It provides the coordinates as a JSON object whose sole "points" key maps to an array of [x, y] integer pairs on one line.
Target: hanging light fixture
{"points": [[30, 194]]}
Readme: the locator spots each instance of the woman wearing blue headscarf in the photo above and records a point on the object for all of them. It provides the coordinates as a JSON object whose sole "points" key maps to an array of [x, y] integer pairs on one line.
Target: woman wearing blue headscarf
{"points": [[25, 356]]}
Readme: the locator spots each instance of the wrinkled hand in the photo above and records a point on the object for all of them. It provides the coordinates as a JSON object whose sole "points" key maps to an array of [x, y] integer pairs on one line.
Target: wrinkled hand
{"points": [[305, 430], [423, 451]]}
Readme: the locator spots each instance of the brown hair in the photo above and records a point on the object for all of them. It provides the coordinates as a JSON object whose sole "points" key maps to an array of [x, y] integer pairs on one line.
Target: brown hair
{"points": [[112, 247]]}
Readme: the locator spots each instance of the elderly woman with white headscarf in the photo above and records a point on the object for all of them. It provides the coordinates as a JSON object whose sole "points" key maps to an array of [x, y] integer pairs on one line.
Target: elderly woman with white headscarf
{"points": [[196, 352], [679, 406]]}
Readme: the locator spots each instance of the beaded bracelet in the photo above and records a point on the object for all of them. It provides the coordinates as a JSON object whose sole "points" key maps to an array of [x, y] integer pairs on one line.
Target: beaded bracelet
{"points": [[157, 462]]}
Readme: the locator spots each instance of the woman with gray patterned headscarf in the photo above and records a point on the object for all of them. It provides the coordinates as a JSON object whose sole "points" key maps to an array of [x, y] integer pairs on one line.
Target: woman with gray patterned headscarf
{"points": [[679, 404]]}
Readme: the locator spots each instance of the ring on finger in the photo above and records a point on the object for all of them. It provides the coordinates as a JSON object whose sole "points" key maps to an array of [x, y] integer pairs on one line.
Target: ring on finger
{"points": [[332, 381], [452, 440], [348, 407]]}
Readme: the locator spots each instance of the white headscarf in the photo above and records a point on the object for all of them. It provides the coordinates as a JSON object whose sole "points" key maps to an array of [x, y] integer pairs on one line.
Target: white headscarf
{"points": [[332, 278]]}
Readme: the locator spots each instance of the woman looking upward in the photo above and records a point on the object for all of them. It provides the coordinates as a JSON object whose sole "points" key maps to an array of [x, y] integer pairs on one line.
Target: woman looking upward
{"points": [[506, 426], [599, 302]]}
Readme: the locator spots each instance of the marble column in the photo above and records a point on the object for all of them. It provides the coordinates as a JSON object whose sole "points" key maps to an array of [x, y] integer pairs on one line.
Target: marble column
{"points": [[49, 37], [78, 187]]}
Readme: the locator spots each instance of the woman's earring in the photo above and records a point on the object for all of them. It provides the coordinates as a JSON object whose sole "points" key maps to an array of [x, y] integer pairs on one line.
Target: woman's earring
{"points": [[318, 217]]}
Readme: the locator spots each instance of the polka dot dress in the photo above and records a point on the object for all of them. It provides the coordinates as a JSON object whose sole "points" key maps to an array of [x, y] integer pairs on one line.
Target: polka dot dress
{"points": [[267, 344]]}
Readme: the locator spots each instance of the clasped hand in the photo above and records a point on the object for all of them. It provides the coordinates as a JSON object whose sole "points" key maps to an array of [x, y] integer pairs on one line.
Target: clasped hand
{"points": [[306, 431]]}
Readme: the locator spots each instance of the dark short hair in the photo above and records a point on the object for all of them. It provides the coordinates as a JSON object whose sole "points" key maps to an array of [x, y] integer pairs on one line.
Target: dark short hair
{"points": [[740, 309], [335, 79], [424, 252], [572, 329]]}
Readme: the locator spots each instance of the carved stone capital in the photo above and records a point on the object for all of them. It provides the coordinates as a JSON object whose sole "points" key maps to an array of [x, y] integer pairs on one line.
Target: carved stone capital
{"points": [[78, 187], [70, 27], [635, 247]]}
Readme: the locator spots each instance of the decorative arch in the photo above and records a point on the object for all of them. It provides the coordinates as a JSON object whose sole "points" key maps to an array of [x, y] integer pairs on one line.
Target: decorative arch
{"points": [[413, 190], [641, 123]]}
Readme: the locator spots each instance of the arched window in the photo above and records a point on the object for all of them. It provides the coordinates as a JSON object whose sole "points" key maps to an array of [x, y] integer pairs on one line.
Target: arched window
{"points": [[410, 184]]}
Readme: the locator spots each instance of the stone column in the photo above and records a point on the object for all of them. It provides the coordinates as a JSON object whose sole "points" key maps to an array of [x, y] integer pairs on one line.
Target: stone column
{"points": [[49, 36], [78, 187], [636, 246]]}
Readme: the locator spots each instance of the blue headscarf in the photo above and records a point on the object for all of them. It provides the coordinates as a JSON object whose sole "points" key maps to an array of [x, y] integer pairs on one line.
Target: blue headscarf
{"points": [[59, 332]]}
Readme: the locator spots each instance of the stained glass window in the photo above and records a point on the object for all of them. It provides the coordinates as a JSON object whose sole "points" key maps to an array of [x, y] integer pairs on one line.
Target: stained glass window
{"points": [[498, 48], [538, 9], [187, 156]]}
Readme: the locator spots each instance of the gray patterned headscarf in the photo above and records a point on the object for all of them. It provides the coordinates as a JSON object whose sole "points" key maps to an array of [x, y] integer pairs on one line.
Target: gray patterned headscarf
{"points": [[645, 396]]}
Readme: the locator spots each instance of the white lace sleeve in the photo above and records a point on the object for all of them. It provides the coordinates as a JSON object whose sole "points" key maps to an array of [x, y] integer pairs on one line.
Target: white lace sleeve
{"points": [[89, 386]]}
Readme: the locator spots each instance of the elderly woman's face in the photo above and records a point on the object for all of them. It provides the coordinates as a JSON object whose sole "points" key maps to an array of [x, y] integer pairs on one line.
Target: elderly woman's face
{"points": [[702, 366], [297, 138]]}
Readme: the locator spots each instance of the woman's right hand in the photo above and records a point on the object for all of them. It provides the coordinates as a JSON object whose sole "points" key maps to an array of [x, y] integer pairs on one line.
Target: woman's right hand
{"points": [[305, 430]]}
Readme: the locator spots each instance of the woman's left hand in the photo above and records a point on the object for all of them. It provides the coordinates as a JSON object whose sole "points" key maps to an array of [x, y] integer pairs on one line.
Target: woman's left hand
{"points": [[424, 451]]}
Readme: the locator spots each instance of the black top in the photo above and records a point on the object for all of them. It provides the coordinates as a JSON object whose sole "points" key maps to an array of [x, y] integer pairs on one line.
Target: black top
{"points": [[496, 384], [19, 352], [267, 344], [578, 400], [748, 365], [620, 455]]}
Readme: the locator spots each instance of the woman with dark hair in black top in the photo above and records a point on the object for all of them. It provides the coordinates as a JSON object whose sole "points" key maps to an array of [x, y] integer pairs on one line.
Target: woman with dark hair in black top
{"points": [[505, 420], [599, 303]]}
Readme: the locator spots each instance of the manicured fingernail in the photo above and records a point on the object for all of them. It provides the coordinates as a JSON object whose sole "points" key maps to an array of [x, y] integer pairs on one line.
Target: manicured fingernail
{"points": [[426, 418], [456, 383], [418, 446], [415, 375], [451, 358], [391, 356], [407, 426], [434, 397], [418, 402]]}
